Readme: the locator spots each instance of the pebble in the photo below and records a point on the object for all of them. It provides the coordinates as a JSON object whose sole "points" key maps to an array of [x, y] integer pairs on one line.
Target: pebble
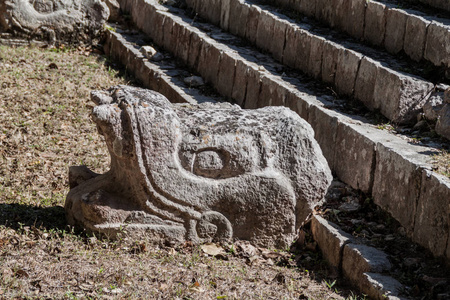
{"points": [[194, 81], [389, 237], [356, 221], [349, 206], [157, 57], [148, 51], [410, 261]]}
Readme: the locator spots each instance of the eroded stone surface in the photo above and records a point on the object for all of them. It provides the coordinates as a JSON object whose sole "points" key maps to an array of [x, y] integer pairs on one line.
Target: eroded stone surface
{"points": [[200, 173], [443, 123], [69, 21]]}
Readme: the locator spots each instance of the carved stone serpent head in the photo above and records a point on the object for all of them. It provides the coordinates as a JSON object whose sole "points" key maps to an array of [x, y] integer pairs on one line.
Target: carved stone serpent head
{"points": [[199, 172]]}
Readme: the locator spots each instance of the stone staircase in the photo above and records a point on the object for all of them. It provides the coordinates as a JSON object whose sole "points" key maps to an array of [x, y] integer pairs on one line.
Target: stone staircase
{"points": [[315, 58]]}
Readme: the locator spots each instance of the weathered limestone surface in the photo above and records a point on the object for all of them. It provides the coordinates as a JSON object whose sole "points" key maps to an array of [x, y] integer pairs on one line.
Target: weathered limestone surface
{"points": [[381, 287], [69, 21], [375, 23], [415, 36], [395, 30], [330, 238], [443, 123], [405, 175], [360, 259], [382, 24], [433, 213], [199, 172]]}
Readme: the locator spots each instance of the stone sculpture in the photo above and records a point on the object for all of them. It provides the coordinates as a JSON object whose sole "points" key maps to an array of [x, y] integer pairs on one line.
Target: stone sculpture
{"points": [[64, 21], [198, 172]]}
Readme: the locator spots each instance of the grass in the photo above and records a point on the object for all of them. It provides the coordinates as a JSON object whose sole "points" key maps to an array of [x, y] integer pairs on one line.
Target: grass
{"points": [[441, 163], [45, 128]]}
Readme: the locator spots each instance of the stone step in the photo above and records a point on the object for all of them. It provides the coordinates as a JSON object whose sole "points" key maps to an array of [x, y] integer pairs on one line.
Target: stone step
{"points": [[162, 75], [370, 76], [361, 264], [396, 172], [384, 24]]}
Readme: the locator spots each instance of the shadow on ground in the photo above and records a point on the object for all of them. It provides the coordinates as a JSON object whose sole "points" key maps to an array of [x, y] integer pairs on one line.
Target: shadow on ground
{"points": [[16, 216]]}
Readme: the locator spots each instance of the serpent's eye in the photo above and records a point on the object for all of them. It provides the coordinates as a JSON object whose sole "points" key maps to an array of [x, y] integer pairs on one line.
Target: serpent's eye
{"points": [[209, 163]]}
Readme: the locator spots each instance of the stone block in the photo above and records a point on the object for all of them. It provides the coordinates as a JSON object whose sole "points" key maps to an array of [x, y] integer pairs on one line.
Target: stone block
{"points": [[295, 5], [191, 3], [264, 32], [329, 61], [365, 82], [442, 4], [195, 47], [208, 63], [316, 56], [308, 7], [296, 101], [254, 13], [273, 93], [324, 11], [156, 20], [431, 227], [227, 71], [152, 81], [325, 123], [330, 238], [168, 42], [199, 173], [380, 287], [150, 12], [281, 92], [183, 44], [353, 12], [415, 36], [240, 82], [284, 3], [253, 87], [267, 91], [303, 42], [338, 19], [290, 49], [400, 96], [375, 23], [166, 87], [356, 146], [239, 15], [210, 10], [346, 70], [394, 168], [279, 38], [360, 259], [443, 124], [437, 49], [395, 30], [225, 14]]}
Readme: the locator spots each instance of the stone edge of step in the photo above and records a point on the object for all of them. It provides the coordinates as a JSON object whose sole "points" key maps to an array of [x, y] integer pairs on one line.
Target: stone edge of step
{"points": [[351, 72], [388, 27], [361, 264]]}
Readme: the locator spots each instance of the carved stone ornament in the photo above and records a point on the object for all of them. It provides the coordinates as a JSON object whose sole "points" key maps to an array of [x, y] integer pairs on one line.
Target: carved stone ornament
{"points": [[68, 21], [198, 172]]}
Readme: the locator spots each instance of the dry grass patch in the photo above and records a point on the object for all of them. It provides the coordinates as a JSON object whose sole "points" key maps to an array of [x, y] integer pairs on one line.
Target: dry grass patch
{"points": [[441, 163], [45, 128]]}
